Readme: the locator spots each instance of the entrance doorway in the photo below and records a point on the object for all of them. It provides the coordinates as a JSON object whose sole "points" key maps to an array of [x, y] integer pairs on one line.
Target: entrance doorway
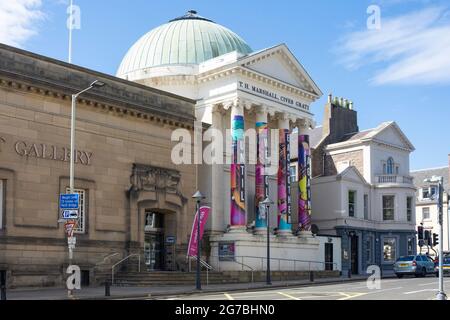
{"points": [[154, 250], [354, 254], [328, 256]]}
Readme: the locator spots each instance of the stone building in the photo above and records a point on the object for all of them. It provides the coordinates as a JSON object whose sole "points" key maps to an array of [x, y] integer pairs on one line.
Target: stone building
{"points": [[128, 185], [362, 189]]}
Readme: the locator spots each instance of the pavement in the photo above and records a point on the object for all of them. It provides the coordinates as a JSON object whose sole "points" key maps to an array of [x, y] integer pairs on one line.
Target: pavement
{"points": [[143, 293]]}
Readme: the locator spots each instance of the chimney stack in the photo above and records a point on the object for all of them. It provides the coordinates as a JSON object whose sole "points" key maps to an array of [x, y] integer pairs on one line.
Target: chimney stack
{"points": [[339, 119]]}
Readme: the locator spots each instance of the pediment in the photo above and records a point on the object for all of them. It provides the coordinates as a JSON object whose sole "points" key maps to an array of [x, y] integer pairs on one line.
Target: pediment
{"points": [[280, 64], [392, 135], [352, 174]]}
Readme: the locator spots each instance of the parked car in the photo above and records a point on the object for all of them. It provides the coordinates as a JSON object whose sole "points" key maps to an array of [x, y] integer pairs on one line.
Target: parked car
{"points": [[419, 266], [445, 265]]}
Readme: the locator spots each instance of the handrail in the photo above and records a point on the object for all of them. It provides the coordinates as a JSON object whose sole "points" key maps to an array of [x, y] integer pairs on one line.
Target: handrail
{"points": [[240, 263], [279, 261], [204, 264], [107, 257], [124, 259]]}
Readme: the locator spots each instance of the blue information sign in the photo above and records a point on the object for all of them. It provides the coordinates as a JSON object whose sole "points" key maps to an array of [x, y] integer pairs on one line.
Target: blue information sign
{"points": [[69, 201]]}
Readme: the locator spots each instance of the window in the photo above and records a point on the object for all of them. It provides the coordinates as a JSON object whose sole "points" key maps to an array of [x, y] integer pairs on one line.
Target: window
{"points": [[366, 206], [154, 220], [429, 192], [293, 172], [2, 202], [390, 166], [369, 250], [388, 208], [409, 203], [410, 248], [389, 249], [425, 213], [351, 203], [81, 221]]}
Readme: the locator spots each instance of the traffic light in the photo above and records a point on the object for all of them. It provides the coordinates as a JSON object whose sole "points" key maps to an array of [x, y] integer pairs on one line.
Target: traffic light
{"points": [[420, 232], [427, 237], [435, 239]]}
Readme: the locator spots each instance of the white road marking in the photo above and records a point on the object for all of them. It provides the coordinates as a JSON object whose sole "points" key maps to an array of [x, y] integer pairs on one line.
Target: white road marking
{"points": [[417, 291], [288, 296], [229, 297]]}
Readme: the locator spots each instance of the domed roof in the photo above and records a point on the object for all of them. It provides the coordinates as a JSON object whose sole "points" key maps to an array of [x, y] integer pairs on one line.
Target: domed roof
{"points": [[187, 40]]}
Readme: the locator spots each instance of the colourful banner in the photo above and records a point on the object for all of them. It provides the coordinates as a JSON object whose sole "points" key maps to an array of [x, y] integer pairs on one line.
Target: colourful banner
{"points": [[193, 241], [237, 173], [284, 208], [304, 183], [261, 180]]}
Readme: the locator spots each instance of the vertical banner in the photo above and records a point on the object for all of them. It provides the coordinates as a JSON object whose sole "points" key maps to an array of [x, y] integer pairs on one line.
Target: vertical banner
{"points": [[283, 178], [193, 241], [261, 186], [304, 183], [237, 172]]}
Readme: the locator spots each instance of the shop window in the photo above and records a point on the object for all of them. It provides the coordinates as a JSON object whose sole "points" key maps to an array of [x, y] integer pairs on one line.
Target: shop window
{"points": [[388, 208], [82, 214], [389, 250], [366, 206], [410, 248]]}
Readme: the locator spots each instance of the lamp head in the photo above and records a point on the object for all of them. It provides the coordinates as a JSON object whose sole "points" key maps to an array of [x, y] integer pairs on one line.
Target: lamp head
{"points": [[97, 84], [266, 202], [198, 196]]}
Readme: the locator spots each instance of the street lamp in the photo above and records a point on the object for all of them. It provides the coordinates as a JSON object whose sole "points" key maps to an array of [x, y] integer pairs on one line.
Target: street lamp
{"points": [[266, 203], [95, 84], [198, 197], [440, 181]]}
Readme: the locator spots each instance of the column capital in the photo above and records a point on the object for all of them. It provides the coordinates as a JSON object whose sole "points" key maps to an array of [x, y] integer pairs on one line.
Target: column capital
{"points": [[262, 109], [219, 108]]}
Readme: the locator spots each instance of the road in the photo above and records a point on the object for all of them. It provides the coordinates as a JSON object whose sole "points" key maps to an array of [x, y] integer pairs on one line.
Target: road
{"points": [[390, 289]]}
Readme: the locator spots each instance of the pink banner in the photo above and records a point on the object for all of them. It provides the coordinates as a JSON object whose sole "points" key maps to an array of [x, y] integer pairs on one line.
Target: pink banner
{"points": [[193, 241]]}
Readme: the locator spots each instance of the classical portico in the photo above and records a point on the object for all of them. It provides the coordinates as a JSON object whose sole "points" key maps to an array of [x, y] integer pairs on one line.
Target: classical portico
{"points": [[237, 89]]}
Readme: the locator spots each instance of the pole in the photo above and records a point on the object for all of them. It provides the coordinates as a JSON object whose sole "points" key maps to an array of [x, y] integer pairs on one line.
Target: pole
{"points": [[70, 31], [441, 294], [268, 249], [198, 280]]}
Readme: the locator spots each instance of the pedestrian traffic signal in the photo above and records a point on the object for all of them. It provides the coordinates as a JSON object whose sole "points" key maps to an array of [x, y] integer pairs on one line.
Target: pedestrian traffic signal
{"points": [[427, 237], [435, 239], [420, 232]]}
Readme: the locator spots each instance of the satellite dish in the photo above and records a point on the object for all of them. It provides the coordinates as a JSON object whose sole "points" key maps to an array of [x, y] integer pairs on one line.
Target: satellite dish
{"points": [[314, 229]]}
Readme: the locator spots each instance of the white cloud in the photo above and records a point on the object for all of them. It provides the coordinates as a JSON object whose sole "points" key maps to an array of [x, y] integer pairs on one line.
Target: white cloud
{"points": [[18, 20], [409, 49]]}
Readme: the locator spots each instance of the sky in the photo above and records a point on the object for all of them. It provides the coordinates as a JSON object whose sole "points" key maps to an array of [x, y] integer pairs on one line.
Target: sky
{"points": [[395, 68]]}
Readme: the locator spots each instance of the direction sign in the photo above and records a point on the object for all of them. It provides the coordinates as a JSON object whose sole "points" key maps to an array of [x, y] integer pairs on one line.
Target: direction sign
{"points": [[69, 201], [69, 214]]}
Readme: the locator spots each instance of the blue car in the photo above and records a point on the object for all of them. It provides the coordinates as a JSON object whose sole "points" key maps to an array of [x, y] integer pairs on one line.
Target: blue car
{"points": [[445, 265], [419, 266]]}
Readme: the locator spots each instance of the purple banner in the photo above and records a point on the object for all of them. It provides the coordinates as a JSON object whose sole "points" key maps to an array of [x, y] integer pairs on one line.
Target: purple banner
{"points": [[283, 182], [193, 241], [304, 183], [261, 180]]}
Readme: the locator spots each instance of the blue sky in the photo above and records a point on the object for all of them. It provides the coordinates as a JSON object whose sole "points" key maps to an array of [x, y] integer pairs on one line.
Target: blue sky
{"points": [[399, 72]]}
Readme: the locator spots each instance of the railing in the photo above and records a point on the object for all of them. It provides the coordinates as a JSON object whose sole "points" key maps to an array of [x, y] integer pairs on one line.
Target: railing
{"points": [[106, 258], [295, 262], [203, 264], [124, 259], [395, 179], [234, 261]]}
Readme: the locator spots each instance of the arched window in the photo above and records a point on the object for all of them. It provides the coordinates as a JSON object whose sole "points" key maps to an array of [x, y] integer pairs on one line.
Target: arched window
{"points": [[390, 166]]}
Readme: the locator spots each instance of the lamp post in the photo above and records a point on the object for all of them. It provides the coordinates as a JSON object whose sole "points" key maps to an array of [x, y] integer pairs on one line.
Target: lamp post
{"points": [[198, 197], [95, 84], [266, 203], [440, 181]]}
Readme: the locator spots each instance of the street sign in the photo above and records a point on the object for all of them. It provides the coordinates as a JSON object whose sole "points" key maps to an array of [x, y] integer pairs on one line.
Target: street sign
{"points": [[70, 214], [170, 239], [69, 228], [69, 201]]}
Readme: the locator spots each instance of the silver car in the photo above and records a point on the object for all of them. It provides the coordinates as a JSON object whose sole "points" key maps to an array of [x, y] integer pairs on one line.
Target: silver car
{"points": [[419, 266]]}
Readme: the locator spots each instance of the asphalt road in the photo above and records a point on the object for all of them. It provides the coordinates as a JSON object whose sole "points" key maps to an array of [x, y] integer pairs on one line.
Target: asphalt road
{"points": [[390, 289]]}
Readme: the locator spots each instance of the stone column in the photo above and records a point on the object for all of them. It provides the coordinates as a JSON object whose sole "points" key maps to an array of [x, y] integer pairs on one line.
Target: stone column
{"points": [[217, 217], [284, 190], [304, 181], [237, 168], [261, 179]]}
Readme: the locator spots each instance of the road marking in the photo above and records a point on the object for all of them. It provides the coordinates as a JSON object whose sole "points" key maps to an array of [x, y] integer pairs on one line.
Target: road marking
{"points": [[288, 296], [423, 290], [229, 297], [348, 296]]}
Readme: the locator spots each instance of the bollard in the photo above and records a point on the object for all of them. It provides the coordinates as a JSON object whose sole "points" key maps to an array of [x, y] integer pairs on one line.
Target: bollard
{"points": [[3, 292], [349, 273], [2, 285], [311, 276], [107, 289]]}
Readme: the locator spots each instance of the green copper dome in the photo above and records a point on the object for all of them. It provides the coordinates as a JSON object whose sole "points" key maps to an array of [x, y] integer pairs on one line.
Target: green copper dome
{"points": [[187, 40]]}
